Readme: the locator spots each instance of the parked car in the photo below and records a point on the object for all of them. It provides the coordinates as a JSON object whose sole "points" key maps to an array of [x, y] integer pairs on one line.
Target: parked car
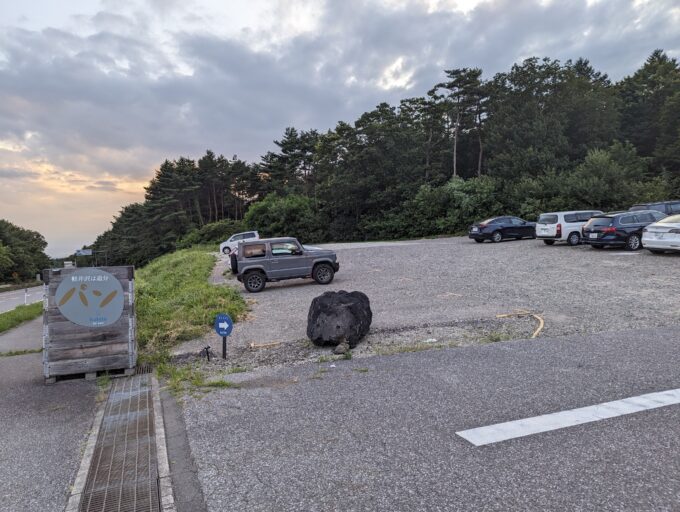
{"points": [[274, 259], [667, 207], [563, 226], [620, 229], [498, 228], [662, 236], [230, 245]]}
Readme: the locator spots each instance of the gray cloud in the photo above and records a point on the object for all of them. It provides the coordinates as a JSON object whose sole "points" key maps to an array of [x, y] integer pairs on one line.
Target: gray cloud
{"points": [[104, 185], [113, 101], [12, 174]]}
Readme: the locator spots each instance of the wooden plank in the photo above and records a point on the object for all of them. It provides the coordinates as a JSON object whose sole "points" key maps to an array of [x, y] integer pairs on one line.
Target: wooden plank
{"points": [[90, 352], [88, 365], [86, 343], [66, 328], [119, 273]]}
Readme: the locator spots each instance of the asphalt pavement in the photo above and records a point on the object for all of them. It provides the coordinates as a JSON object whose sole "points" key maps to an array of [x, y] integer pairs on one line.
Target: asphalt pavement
{"points": [[26, 336], [43, 428], [10, 300], [380, 433]]}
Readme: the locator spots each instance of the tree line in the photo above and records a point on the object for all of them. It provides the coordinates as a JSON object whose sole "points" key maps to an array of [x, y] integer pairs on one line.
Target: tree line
{"points": [[542, 136], [22, 253]]}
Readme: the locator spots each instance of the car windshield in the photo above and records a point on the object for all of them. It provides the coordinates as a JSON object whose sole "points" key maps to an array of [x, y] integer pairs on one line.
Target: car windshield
{"points": [[547, 219], [673, 219]]}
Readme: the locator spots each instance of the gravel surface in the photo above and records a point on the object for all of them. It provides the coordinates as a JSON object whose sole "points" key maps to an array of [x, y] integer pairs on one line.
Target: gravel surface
{"points": [[379, 434], [451, 290]]}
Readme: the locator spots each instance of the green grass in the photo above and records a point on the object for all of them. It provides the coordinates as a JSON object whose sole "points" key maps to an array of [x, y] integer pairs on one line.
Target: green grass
{"points": [[220, 384], [20, 286], [20, 352], [19, 315], [181, 378], [495, 337], [176, 303], [361, 370], [236, 369]]}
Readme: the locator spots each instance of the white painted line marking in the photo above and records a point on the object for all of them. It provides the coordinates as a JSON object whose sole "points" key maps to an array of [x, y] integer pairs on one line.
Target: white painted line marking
{"points": [[519, 428]]}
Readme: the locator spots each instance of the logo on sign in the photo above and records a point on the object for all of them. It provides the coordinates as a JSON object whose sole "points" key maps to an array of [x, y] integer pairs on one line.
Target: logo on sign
{"points": [[90, 297]]}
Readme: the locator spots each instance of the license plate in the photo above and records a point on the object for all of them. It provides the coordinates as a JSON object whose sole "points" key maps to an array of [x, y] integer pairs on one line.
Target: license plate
{"points": [[544, 230], [593, 235], [474, 230]]}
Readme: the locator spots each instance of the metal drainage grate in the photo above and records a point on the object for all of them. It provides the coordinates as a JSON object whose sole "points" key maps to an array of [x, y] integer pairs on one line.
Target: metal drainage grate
{"points": [[123, 475]]}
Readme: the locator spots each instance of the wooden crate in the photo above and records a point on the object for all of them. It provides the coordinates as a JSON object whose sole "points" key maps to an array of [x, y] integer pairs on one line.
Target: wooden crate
{"points": [[69, 348]]}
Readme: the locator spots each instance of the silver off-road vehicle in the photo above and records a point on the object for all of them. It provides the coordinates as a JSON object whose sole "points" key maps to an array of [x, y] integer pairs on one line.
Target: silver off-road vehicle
{"points": [[276, 259]]}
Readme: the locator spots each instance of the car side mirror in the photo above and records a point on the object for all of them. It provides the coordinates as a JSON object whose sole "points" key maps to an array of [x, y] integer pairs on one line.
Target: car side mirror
{"points": [[297, 252]]}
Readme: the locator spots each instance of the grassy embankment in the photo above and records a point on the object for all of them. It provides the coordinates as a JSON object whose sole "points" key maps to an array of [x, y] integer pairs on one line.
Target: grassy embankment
{"points": [[175, 301], [20, 286], [19, 315]]}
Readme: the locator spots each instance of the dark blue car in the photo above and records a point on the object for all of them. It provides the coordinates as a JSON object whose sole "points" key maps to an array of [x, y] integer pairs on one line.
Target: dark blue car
{"points": [[500, 228]]}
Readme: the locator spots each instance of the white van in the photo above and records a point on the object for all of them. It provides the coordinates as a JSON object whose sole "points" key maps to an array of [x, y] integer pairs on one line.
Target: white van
{"points": [[563, 226], [230, 245]]}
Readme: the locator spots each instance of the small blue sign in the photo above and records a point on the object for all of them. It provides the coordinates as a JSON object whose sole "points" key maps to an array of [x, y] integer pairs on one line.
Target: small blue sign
{"points": [[223, 324]]}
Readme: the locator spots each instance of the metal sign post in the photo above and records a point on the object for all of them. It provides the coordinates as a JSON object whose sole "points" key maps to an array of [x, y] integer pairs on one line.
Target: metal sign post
{"points": [[223, 327]]}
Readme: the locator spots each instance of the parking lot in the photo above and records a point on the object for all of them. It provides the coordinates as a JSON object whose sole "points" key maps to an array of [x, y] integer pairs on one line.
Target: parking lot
{"points": [[450, 290], [382, 433]]}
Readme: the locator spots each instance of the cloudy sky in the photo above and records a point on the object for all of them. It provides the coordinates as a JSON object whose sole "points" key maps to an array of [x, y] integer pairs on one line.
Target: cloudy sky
{"points": [[94, 95]]}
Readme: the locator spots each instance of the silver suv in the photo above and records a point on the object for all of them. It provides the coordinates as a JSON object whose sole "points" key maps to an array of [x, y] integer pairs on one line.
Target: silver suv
{"points": [[276, 259]]}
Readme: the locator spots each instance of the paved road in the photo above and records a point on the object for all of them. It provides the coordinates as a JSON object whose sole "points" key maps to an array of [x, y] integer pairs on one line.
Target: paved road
{"points": [[10, 300], [43, 429], [379, 434]]}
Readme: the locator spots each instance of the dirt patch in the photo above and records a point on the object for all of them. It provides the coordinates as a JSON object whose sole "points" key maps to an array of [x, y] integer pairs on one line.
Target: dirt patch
{"points": [[377, 342]]}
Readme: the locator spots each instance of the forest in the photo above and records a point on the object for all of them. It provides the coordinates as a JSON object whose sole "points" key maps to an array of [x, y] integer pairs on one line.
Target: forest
{"points": [[22, 253], [543, 136]]}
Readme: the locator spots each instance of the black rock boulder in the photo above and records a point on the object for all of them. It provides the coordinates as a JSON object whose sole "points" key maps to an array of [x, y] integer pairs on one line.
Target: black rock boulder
{"points": [[340, 316]]}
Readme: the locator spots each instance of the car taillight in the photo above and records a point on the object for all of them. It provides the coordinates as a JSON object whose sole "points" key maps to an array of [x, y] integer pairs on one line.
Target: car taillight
{"points": [[482, 225], [609, 229], [559, 230]]}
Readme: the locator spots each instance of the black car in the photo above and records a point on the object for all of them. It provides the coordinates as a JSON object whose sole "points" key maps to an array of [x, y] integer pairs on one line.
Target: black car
{"points": [[498, 228], [667, 207], [622, 229]]}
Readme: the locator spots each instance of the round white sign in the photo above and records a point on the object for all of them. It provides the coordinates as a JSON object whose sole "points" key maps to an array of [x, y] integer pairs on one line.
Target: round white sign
{"points": [[90, 297]]}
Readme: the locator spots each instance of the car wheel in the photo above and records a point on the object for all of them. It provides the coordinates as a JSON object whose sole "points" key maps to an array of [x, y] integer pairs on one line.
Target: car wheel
{"points": [[574, 239], [496, 237], [549, 242], [234, 264], [226, 251], [254, 281], [478, 240], [323, 273], [633, 243]]}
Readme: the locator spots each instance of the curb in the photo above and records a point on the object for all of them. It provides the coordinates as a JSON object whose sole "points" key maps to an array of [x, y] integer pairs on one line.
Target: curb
{"points": [[164, 478], [73, 503]]}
